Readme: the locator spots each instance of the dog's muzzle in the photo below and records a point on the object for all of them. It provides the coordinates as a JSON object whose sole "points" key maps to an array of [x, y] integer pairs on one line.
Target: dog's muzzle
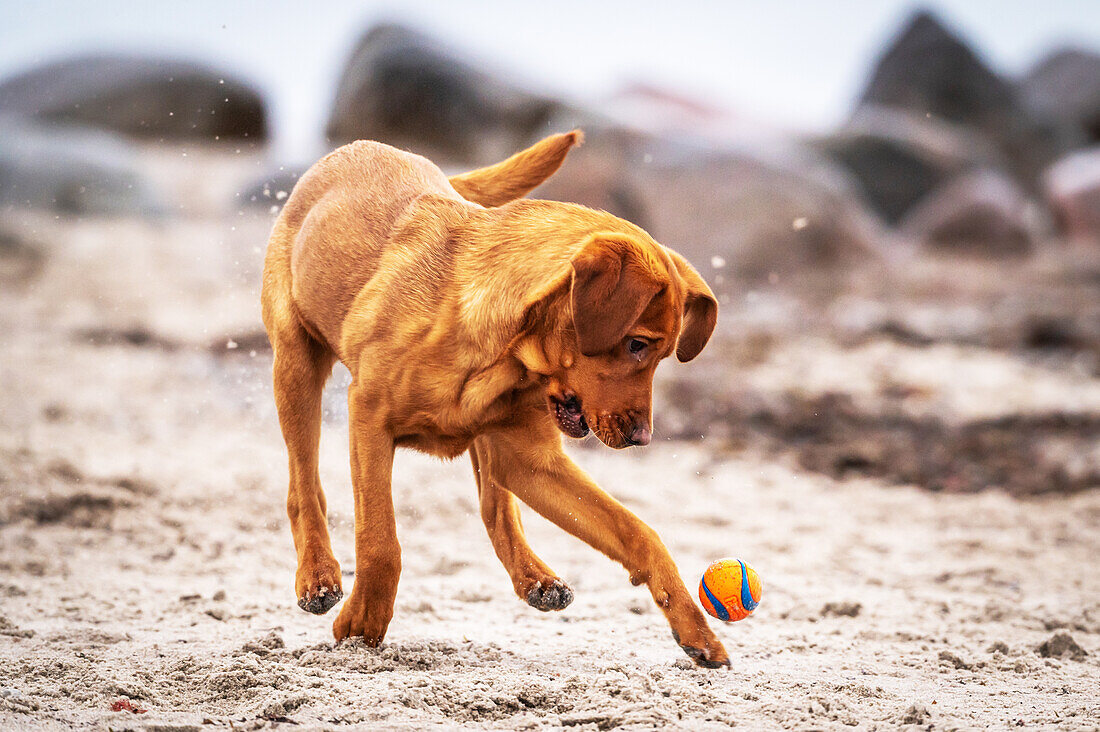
{"points": [[568, 415]]}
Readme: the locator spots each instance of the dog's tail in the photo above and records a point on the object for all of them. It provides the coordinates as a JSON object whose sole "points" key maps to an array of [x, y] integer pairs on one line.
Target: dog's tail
{"points": [[518, 175]]}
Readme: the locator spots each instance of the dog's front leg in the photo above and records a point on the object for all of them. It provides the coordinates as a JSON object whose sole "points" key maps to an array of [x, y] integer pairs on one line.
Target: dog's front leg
{"points": [[543, 477], [369, 608], [532, 579]]}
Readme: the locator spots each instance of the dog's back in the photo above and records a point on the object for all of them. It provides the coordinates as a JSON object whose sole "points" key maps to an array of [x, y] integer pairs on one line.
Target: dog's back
{"points": [[335, 226], [331, 234]]}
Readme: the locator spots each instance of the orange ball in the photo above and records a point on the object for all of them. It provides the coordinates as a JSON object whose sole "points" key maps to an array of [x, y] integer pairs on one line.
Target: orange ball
{"points": [[729, 590]]}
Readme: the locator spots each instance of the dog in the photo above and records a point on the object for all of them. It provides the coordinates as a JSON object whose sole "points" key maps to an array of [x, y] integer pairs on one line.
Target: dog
{"points": [[472, 319]]}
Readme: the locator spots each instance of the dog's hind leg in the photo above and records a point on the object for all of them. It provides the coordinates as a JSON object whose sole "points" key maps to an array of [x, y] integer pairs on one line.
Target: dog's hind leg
{"points": [[302, 365], [532, 580], [369, 608]]}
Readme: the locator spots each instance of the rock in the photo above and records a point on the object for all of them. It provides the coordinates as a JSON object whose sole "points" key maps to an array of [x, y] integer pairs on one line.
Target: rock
{"points": [[899, 157], [929, 70], [762, 210], [606, 173], [21, 260], [408, 90], [1061, 645], [979, 213], [272, 189], [146, 97], [72, 170], [841, 609], [998, 647], [752, 213], [1072, 189], [1065, 86]]}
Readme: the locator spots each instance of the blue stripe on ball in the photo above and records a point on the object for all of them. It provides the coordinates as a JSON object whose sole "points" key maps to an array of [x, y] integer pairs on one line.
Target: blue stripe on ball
{"points": [[719, 608], [746, 594]]}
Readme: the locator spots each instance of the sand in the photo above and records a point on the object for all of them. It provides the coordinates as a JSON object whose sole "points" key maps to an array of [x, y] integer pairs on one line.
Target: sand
{"points": [[145, 554]]}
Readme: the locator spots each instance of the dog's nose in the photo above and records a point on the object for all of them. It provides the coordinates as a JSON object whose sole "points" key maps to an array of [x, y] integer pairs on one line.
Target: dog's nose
{"points": [[640, 435]]}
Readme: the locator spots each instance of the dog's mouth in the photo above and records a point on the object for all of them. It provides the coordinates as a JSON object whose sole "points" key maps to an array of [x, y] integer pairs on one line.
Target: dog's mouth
{"points": [[567, 413]]}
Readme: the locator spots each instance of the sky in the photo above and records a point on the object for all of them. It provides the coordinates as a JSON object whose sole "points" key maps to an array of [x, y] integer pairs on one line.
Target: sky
{"points": [[796, 65]]}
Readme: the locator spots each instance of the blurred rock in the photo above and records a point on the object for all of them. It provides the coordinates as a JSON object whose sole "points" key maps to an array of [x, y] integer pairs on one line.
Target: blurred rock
{"points": [[271, 189], [21, 259], [605, 172], [406, 89], [760, 208], [982, 213], [1072, 188], [1065, 86], [753, 213], [899, 157], [144, 97], [71, 170], [930, 71]]}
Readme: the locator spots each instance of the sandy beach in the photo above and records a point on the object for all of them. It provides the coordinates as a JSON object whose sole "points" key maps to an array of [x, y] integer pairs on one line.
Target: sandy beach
{"points": [[145, 554]]}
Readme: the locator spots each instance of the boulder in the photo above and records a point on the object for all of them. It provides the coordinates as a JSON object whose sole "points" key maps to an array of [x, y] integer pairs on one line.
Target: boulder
{"points": [[408, 90], [143, 97], [929, 70], [271, 189], [605, 172], [736, 214], [1065, 86], [75, 171], [980, 213], [21, 259], [1072, 187], [898, 157]]}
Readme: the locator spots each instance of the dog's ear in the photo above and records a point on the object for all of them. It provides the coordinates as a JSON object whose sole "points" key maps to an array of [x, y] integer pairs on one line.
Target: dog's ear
{"points": [[611, 287], [700, 310]]}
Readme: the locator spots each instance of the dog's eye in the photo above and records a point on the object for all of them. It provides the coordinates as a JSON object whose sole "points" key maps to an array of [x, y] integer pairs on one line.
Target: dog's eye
{"points": [[636, 346]]}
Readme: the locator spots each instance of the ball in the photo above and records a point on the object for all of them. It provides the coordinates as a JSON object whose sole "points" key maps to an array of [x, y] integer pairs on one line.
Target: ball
{"points": [[729, 590]]}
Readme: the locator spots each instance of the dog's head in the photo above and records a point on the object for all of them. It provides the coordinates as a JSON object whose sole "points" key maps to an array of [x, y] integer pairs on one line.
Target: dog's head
{"points": [[632, 303]]}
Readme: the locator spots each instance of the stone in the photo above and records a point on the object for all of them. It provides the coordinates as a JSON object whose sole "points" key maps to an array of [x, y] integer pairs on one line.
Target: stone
{"points": [[408, 90], [271, 189], [899, 157], [139, 96], [72, 170], [737, 213], [1065, 86], [983, 213], [1072, 190], [929, 70]]}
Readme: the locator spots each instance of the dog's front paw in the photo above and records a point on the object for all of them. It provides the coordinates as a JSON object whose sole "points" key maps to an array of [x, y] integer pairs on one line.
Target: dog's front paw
{"points": [[551, 595], [317, 585], [705, 649], [321, 600], [360, 618]]}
